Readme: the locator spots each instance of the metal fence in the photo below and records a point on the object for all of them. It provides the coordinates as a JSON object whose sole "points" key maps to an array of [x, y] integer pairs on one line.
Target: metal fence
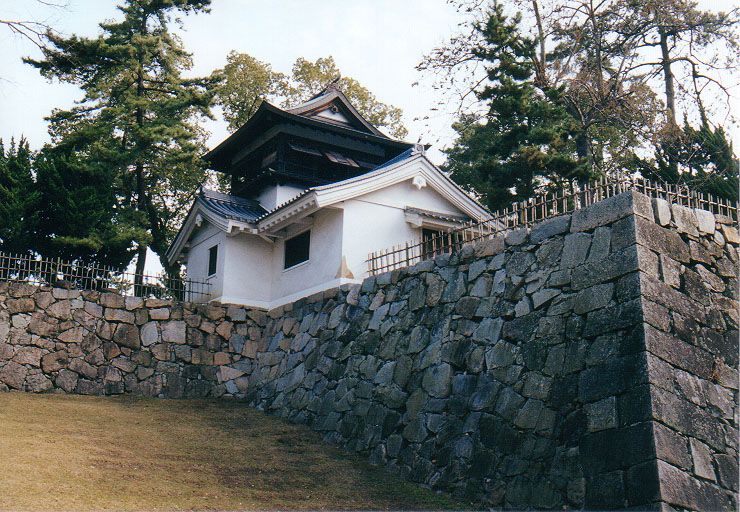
{"points": [[536, 209], [60, 273]]}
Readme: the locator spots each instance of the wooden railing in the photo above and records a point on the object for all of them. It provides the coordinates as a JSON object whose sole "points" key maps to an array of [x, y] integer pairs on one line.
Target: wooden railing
{"points": [[539, 208]]}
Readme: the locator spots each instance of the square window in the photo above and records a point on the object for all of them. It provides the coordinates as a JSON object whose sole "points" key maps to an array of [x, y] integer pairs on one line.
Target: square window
{"points": [[296, 249], [212, 259]]}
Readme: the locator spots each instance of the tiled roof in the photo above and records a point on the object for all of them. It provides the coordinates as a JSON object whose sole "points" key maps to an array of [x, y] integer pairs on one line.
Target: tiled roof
{"points": [[439, 215], [231, 207]]}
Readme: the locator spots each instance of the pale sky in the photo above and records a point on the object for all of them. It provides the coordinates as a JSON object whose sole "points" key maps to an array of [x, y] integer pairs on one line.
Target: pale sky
{"points": [[378, 42]]}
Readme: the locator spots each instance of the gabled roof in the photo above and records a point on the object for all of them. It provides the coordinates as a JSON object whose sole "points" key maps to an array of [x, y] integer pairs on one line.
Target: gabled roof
{"points": [[220, 156], [411, 165], [231, 207], [332, 98]]}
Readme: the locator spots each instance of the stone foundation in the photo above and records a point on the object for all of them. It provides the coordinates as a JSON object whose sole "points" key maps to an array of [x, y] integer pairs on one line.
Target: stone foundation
{"points": [[590, 362]]}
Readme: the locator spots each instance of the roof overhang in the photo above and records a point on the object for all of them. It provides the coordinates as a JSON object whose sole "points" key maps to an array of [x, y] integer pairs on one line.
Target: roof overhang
{"points": [[434, 220], [198, 214], [417, 169], [220, 156]]}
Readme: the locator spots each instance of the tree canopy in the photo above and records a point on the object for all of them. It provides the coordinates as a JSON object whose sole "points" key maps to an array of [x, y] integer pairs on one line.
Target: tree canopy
{"points": [[137, 117], [245, 82], [622, 72], [19, 200]]}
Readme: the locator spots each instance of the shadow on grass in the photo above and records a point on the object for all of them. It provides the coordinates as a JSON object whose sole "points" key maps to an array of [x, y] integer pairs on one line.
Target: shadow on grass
{"points": [[242, 452]]}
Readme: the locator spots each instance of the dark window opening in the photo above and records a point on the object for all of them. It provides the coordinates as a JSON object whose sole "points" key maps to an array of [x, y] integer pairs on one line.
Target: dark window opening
{"points": [[296, 249], [340, 159], [212, 259], [304, 149]]}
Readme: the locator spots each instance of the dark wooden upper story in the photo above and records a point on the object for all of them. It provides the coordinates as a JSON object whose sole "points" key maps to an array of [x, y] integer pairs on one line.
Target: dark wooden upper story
{"points": [[322, 141]]}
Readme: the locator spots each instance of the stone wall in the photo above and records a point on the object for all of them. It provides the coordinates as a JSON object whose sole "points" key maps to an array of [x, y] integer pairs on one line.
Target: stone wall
{"points": [[102, 343], [689, 294], [590, 362]]}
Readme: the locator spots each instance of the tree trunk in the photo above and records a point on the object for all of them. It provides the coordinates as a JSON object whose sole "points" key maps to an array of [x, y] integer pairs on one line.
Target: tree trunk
{"points": [[141, 250], [670, 92], [540, 62], [140, 264], [670, 101], [140, 187]]}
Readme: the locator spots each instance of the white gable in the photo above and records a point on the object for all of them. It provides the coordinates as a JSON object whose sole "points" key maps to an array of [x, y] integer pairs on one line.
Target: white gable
{"points": [[333, 115]]}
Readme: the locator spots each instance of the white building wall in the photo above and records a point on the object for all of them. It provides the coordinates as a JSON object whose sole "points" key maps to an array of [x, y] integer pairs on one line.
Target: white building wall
{"points": [[377, 221], [324, 259], [250, 269], [247, 276], [272, 197], [201, 241]]}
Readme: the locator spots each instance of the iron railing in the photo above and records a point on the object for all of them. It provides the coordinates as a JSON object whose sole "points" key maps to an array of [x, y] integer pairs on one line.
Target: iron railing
{"points": [[539, 208], [82, 276]]}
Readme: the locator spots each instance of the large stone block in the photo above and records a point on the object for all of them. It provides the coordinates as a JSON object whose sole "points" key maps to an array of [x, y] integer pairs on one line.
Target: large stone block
{"points": [[613, 377], [28, 355], [679, 353], [615, 265], [127, 335], [437, 380], [112, 300], [55, 361], [610, 210], [22, 305], [119, 315], [66, 380], [38, 383], [595, 297], [13, 375], [679, 489], [661, 240], [174, 331], [549, 228]]}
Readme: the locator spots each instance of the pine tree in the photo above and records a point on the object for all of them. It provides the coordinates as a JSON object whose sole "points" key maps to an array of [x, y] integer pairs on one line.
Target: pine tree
{"points": [[527, 140], [137, 115], [77, 212], [701, 158], [18, 198]]}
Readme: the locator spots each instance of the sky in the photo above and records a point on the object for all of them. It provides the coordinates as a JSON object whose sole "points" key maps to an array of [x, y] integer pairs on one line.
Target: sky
{"points": [[378, 42]]}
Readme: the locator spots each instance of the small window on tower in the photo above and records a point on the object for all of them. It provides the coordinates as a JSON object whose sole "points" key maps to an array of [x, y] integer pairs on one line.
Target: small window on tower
{"points": [[212, 260], [339, 158], [297, 249]]}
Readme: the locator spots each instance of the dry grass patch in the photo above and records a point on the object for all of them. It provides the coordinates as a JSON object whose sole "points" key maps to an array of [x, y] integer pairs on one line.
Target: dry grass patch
{"points": [[61, 452]]}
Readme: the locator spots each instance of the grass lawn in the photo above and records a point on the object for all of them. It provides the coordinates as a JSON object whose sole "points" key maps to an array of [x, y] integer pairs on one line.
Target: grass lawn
{"points": [[60, 452]]}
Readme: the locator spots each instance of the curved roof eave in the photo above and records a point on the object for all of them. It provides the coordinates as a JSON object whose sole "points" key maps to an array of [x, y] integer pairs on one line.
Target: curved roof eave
{"points": [[265, 107]]}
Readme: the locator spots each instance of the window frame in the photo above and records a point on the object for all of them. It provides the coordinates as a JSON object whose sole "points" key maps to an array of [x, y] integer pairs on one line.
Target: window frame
{"points": [[212, 258], [308, 250]]}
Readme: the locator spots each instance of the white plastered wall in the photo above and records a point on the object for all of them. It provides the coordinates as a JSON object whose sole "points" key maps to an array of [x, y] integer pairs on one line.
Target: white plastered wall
{"points": [[202, 239], [250, 269], [322, 267], [247, 276], [377, 221], [276, 195]]}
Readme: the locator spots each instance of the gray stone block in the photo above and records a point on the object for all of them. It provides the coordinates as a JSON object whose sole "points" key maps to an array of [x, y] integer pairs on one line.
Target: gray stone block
{"points": [[602, 415], [610, 210], [549, 228]]}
